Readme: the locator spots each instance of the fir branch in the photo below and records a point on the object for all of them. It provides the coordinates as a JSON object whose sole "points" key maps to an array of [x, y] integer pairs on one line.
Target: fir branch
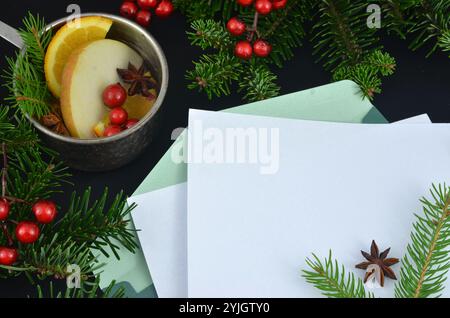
{"points": [[25, 79], [214, 74], [381, 61], [207, 9], [341, 34], [444, 41], [51, 258], [97, 225], [427, 262], [31, 178], [259, 83], [209, 34], [397, 17], [331, 279], [363, 75], [18, 136], [86, 290], [431, 21], [367, 74], [35, 39]]}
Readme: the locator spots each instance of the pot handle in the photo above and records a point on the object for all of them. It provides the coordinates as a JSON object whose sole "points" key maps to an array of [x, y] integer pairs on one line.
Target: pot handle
{"points": [[11, 35]]}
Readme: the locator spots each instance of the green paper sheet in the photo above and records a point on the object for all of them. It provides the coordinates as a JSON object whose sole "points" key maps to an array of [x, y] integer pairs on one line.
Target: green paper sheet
{"points": [[337, 102]]}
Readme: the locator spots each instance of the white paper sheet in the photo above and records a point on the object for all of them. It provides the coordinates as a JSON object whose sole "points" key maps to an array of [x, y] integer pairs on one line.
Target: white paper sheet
{"points": [[338, 187], [161, 218]]}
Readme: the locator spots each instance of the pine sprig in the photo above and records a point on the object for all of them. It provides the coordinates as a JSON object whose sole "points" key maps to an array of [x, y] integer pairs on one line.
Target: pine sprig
{"points": [[332, 280], [215, 73], [444, 41], [367, 74], [427, 262], [17, 136], [25, 78], [98, 225], [431, 22], [50, 259], [86, 290], [209, 34], [207, 9], [35, 39], [259, 83], [341, 36], [397, 16]]}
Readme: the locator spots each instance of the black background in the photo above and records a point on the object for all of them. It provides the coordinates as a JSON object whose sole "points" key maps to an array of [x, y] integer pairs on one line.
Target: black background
{"points": [[419, 85]]}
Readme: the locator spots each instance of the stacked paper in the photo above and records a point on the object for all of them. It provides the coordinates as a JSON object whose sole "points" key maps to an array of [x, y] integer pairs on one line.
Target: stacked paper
{"points": [[248, 227], [310, 187]]}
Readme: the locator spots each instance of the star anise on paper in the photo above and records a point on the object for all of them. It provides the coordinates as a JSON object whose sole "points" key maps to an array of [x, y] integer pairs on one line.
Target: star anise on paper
{"points": [[139, 80], [379, 259]]}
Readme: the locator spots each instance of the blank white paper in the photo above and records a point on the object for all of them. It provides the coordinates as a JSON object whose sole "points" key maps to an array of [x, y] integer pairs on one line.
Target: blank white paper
{"points": [[160, 217], [339, 186]]}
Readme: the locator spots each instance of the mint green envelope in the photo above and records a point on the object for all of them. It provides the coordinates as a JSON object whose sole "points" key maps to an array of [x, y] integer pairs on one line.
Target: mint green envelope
{"points": [[337, 102]]}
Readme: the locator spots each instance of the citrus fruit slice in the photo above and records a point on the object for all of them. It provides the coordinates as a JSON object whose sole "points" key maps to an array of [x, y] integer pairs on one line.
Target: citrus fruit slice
{"points": [[67, 39]]}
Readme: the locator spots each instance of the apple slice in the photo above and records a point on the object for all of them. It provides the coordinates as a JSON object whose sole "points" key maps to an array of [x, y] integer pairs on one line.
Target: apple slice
{"points": [[88, 71]]}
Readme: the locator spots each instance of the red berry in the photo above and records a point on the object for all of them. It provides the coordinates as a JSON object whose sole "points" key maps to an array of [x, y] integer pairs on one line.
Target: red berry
{"points": [[147, 4], [131, 122], [128, 9], [236, 27], [27, 232], [8, 256], [164, 9], [279, 4], [263, 6], [262, 48], [114, 95], [245, 3], [243, 50], [144, 18], [44, 211], [118, 116], [4, 209], [112, 130]]}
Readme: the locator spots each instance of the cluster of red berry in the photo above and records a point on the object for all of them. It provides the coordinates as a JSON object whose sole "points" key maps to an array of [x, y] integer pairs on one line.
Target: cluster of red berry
{"points": [[26, 232], [114, 96], [261, 48], [140, 12]]}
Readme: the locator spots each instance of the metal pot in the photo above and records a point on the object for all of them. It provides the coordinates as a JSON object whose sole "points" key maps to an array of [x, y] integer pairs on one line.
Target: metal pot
{"points": [[113, 152]]}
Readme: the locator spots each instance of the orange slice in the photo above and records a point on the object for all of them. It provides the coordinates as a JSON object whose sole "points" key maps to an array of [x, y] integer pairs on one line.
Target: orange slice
{"points": [[69, 38]]}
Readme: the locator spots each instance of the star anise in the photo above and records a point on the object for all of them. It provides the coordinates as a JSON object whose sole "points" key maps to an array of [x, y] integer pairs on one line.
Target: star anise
{"points": [[377, 258], [139, 80], [54, 121]]}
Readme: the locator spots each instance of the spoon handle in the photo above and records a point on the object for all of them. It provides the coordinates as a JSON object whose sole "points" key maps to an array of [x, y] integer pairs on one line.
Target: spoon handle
{"points": [[11, 35]]}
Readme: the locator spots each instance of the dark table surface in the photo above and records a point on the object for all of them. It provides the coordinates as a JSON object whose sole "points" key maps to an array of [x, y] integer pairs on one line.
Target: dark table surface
{"points": [[419, 85]]}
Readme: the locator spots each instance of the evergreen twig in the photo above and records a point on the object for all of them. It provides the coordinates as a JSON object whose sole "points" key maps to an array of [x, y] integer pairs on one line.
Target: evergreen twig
{"points": [[86, 290], [25, 79], [427, 261], [332, 280]]}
